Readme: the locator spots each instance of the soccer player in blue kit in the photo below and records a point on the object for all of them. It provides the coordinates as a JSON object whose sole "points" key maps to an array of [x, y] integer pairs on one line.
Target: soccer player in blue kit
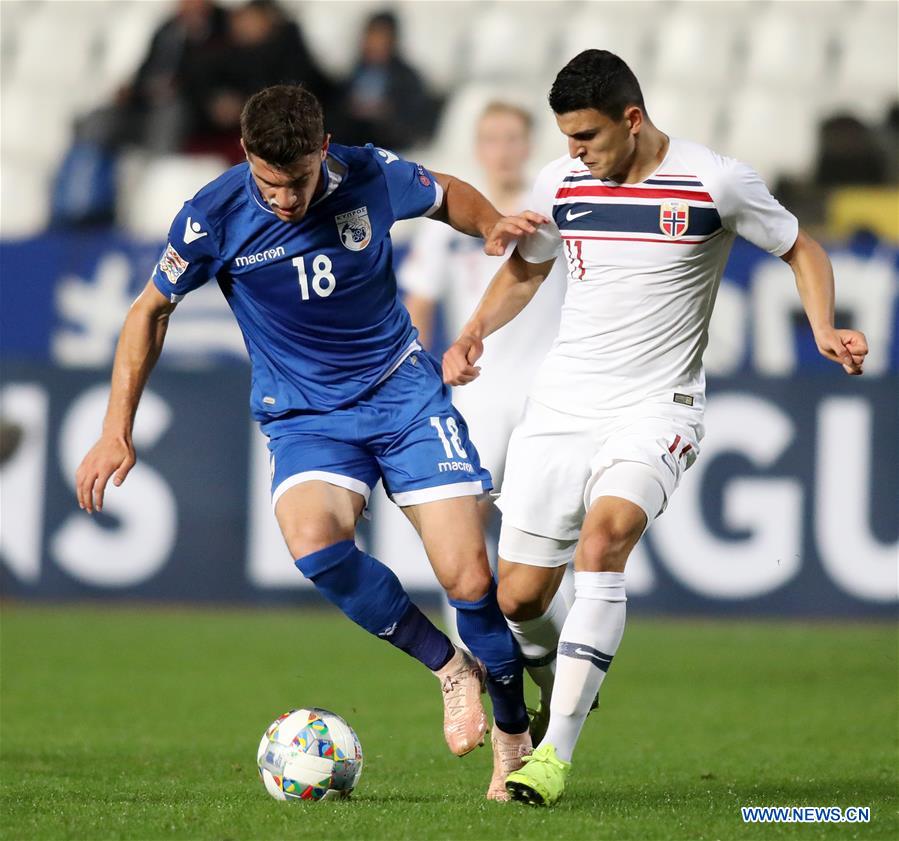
{"points": [[298, 240]]}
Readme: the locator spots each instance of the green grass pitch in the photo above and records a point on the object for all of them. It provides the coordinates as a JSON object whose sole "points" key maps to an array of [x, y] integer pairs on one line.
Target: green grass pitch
{"points": [[120, 722]]}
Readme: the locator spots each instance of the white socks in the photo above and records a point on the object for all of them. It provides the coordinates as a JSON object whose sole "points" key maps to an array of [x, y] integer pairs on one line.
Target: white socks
{"points": [[587, 644], [539, 638]]}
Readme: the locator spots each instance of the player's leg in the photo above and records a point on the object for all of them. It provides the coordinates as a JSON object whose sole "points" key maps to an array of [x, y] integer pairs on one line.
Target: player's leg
{"points": [[531, 569], [632, 478], [451, 533], [542, 502], [318, 521], [587, 644], [595, 623], [430, 467]]}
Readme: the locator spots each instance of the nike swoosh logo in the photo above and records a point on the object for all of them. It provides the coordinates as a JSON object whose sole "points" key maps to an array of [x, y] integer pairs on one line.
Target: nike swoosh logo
{"points": [[193, 232], [596, 657], [591, 654], [570, 217]]}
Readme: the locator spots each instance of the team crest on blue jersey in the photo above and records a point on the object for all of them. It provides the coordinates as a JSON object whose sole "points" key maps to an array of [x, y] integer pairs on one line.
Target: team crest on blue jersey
{"points": [[674, 218], [354, 228]]}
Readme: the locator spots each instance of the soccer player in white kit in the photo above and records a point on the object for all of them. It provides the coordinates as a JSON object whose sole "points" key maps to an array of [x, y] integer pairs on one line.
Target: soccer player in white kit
{"points": [[615, 416], [448, 268]]}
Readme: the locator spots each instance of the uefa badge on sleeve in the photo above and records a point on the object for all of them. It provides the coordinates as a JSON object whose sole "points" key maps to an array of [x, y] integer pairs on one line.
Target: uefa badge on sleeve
{"points": [[674, 218], [172, 264], [354, 228]]}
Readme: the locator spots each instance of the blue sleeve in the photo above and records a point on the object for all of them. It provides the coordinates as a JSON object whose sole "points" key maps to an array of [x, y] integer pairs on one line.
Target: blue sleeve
{"points": [[412, 189], [191, 255]]}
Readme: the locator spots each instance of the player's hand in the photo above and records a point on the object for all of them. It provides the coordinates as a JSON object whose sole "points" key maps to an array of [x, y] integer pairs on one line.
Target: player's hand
{"points": [[110, 457], [510, 228], [458, 361], [845, 347]]}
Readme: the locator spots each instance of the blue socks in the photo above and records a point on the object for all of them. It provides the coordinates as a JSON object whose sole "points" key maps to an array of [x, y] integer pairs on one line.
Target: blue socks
{"points": [[483, 628], [370, 594]]}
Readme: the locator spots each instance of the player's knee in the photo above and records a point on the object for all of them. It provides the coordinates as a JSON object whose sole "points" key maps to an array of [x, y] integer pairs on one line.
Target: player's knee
{"points": [[306, 538], [469, 589], [472, 580], [606, 547], [520, 602]]}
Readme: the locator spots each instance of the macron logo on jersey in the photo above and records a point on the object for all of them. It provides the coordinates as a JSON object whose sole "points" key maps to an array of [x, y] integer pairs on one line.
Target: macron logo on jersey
{"points": [[261, 257], [193, 231]]}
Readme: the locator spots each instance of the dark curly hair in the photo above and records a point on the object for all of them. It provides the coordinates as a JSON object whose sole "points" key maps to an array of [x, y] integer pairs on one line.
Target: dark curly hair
{"points": [[282, 124], [596, 79]]}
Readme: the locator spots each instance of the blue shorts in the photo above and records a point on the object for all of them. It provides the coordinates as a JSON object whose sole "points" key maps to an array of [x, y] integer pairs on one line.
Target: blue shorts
{"points": [[406, 432]]}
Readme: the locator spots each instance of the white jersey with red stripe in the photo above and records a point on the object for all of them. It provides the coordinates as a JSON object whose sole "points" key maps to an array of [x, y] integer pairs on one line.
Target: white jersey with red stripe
{"points": [[451, 267], [644, 262]]}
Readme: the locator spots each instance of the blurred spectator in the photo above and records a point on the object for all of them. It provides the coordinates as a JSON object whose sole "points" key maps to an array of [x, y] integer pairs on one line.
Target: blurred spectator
{"points": [[263, 48], [150, 111], [849, 152], [385, 100]]}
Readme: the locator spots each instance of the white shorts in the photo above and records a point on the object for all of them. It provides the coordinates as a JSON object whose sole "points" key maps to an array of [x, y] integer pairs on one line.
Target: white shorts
{"points": [[491, 418], [558, 464]]}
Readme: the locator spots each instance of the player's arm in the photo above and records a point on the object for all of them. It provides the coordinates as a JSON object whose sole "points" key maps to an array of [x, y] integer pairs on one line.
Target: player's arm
{"points": [[508, 294], [469, 212], [140, 344], [814, 280]]}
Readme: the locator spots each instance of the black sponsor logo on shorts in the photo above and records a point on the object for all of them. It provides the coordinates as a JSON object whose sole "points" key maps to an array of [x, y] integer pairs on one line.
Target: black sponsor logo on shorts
{"points": [[683, 399]]}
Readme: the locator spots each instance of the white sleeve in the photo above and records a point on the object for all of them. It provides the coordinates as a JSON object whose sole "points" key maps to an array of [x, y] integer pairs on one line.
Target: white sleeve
{"points": [[545, 243], [424, 271], [747, 208]]}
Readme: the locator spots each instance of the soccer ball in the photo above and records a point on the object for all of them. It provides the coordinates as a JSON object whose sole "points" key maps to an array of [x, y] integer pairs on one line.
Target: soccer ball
{"points": [[309, 755]]}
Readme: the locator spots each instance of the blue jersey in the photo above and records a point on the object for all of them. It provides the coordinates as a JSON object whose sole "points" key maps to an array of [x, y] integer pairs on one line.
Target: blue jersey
{"points": [[317, 300]]}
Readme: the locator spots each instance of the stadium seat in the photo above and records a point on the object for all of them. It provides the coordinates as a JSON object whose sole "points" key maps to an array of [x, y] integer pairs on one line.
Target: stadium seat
{"points": [[433, 39], [24, 197], [783, 50], [124, 38], [152, 198], [57, 46], [35, 126], [12, 19], [697, 48], [621, 28], [772, 131], [512, 47], [866, 69]]}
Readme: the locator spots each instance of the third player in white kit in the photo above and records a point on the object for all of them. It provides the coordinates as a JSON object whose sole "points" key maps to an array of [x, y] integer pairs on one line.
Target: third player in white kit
{"points": [[644, 223], [451, 269]]}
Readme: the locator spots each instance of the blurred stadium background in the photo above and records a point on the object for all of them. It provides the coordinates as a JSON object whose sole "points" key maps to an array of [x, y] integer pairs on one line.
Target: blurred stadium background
{"points": [[793, 508]]}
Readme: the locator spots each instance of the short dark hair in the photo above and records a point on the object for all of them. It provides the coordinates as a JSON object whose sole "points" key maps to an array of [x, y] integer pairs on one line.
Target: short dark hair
{"points": [[596, 79], [282, 124], [385, 18]]}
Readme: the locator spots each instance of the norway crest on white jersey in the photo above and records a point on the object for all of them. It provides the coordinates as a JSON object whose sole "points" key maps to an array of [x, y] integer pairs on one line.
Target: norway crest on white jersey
{"points": [[674, 218]]}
